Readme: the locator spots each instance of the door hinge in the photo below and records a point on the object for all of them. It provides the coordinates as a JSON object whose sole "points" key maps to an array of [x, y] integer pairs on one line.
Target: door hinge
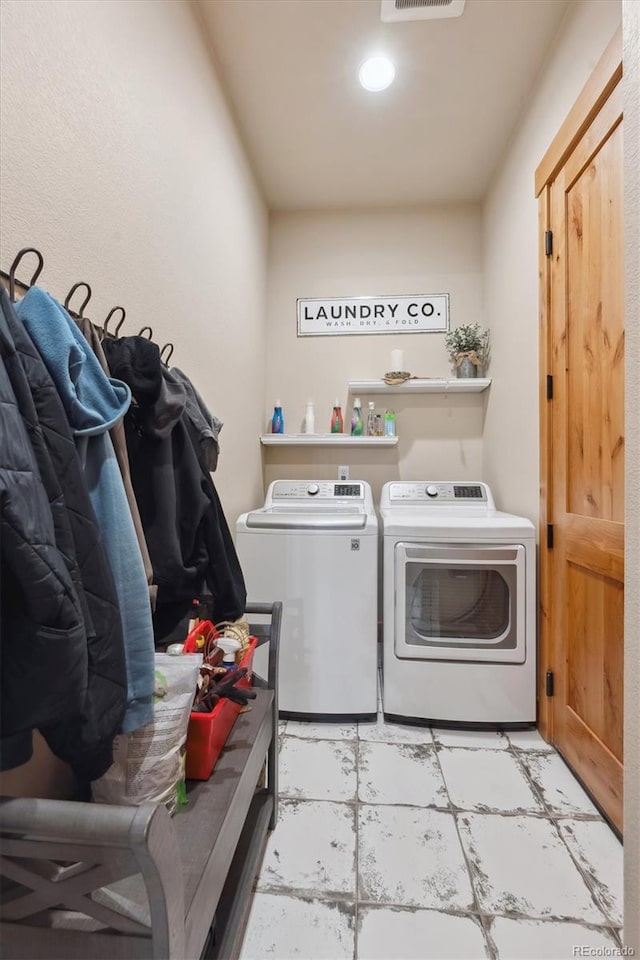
{"points": [[549, 683], [549, 386], [548, 242], [550, 536]]}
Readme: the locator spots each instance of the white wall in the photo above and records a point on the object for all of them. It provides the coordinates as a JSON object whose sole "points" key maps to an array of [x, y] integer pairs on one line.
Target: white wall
{"points": [[510, 252], [631, 90], [363, 253], [121, 163]]}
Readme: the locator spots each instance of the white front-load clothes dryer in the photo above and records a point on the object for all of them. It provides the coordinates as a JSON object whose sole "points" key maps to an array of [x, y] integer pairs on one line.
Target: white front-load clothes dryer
{"points": [[314, 546], [459, 607]]}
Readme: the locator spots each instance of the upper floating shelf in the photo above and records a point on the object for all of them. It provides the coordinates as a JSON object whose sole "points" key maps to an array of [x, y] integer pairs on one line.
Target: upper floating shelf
{"points": [[325, 440], [454, 385]]}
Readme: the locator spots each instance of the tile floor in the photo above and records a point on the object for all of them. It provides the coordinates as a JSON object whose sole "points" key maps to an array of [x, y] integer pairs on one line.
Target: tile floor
{"points": [[404, 843]]}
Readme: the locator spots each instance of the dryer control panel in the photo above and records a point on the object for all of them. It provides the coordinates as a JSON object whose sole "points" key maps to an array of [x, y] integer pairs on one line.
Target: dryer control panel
{"points": [[434, 492]]}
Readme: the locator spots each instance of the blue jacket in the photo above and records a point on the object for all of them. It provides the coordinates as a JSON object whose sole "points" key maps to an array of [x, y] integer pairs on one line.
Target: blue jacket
{"points": [[93, 403]]}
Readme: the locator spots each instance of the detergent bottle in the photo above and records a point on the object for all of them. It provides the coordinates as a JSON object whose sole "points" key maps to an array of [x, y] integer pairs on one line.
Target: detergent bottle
{"points": [[356, 418], [337, 422]]}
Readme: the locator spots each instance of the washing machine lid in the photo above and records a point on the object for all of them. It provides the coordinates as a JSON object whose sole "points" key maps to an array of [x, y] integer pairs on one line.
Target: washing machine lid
{"points": [[320, 517]]}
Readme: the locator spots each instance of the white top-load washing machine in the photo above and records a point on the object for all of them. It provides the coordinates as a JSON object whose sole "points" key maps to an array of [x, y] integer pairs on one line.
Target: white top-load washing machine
{"points": [[459, 606], [314, 545]]}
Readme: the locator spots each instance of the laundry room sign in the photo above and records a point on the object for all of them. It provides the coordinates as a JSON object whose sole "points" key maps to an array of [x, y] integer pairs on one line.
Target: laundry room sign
{"points": [[345, 315]]}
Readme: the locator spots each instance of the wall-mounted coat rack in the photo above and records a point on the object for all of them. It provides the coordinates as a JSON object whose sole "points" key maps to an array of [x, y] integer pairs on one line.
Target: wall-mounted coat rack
{"points": [[103, 330]]}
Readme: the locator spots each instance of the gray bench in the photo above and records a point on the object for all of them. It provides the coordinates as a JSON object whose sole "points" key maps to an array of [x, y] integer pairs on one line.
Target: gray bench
{"points": [[85, 880]]}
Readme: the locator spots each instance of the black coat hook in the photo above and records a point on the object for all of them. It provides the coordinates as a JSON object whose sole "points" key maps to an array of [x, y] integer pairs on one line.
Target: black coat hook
{"points": [[14, 267], [166, 359], [80, 283], [105, 329], [150, 332]]}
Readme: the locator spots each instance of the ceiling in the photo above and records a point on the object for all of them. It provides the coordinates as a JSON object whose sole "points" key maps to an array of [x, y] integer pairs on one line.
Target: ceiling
{"points": [[316, 139]]}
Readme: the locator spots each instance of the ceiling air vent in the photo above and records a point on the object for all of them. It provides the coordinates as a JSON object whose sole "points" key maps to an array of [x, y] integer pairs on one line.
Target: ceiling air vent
{"points": [[393, 10]]}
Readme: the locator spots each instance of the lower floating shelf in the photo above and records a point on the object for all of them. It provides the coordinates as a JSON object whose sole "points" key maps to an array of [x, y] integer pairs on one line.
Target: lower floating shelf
{"points": [[324, 440]]}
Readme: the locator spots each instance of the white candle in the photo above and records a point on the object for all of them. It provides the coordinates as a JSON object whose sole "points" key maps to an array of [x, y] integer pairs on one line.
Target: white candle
{"points": [[397, 361]]}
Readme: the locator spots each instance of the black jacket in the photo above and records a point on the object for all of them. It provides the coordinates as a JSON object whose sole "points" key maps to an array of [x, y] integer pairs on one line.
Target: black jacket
{"points": [[184, 524], [84, 740], [43, 647]]}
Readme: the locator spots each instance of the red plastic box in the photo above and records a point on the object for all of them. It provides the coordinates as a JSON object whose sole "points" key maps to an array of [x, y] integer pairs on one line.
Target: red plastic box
{"points": [[208, 732]]}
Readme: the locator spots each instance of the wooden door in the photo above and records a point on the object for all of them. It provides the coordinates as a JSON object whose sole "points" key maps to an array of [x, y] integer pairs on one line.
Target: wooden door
{"points": [[583, 457]]}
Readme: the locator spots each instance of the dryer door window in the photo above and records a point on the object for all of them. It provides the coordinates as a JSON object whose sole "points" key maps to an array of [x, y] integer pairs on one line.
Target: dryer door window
{"points": [[462, 602]]}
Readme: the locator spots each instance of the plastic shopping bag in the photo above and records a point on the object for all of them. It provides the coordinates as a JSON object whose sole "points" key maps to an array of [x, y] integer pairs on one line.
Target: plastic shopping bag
{"points": [[149, 763]]}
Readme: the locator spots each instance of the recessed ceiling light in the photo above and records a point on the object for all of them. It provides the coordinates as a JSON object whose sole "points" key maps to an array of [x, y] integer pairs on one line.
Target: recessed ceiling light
{"points": [[376, 73]]}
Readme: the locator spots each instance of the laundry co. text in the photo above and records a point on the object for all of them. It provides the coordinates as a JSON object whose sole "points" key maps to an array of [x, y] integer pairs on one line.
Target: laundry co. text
{"points": [[404, 314]]}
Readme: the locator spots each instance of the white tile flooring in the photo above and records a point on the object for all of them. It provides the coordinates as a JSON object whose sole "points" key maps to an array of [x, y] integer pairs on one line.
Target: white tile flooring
{"points": [[404, 843]]}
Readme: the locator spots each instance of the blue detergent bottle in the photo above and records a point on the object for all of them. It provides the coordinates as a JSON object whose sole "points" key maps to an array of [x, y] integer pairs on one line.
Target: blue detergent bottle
{"points": [[277, 421]]}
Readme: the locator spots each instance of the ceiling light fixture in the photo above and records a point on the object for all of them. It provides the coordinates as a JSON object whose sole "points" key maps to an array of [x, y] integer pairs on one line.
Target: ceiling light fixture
{"points": [[376, 73]]}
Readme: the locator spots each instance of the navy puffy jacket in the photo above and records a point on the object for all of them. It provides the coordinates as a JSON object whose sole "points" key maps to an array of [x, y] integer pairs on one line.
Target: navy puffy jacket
{"points": [[43, 647], [85, 739]]}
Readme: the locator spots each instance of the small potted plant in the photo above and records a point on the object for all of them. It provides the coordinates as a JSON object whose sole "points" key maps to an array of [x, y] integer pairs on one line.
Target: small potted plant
{"points": [[468, 347]]}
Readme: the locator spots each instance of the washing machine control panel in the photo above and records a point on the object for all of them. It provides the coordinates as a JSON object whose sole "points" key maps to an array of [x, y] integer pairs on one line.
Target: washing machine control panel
{"points": [[438, 492], [321, 490]]}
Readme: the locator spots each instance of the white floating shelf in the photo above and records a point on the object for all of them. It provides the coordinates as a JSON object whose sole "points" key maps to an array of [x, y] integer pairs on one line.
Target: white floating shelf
{"points": [[324, 440], [454, 385]]}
